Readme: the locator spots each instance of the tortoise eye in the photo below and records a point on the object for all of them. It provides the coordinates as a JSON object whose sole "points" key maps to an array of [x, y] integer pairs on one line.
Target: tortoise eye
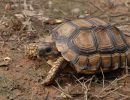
{"points": [[48, 50]]}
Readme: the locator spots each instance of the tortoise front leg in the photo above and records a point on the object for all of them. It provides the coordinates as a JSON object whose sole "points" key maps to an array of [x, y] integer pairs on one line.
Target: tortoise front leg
{"points": [[60, 62]]}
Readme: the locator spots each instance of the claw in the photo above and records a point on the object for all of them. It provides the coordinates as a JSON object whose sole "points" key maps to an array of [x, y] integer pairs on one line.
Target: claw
{"points": [[53, 71]]}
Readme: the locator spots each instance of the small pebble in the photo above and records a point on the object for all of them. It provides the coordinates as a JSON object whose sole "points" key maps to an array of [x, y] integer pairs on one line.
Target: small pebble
{"points": [[8, 7], [75, 11]]}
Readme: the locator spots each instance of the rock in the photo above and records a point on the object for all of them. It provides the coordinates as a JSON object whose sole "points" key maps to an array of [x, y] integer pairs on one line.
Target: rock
{"points": [[75, 11], [5, 62], [82, 16], [53, 21]]}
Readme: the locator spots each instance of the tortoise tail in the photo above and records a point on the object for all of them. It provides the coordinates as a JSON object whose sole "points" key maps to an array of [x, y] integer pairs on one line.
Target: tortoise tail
{"points": [[53, 71]]}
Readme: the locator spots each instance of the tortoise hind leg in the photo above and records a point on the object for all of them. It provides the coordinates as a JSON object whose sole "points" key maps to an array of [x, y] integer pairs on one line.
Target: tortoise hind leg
{"points": [[54, 70]]}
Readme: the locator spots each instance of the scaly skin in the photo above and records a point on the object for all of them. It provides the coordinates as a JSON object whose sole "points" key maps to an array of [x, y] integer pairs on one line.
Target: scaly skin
{"points": [[31, 51], [54, 70]]}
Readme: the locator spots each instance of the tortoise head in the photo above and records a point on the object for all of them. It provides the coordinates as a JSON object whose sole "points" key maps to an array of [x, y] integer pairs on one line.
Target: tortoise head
{"points": [[47, 49]]}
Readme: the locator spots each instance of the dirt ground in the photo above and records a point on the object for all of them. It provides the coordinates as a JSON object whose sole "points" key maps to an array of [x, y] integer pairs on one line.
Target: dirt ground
{"points": [[26, 21]]}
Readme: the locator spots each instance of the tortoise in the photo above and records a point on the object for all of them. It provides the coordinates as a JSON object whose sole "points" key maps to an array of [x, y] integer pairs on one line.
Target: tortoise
{"points": [[90, 45]]}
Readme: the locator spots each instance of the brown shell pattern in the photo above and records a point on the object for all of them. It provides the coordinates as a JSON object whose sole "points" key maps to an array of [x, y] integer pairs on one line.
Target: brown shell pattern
{"points": [[91, 45]]}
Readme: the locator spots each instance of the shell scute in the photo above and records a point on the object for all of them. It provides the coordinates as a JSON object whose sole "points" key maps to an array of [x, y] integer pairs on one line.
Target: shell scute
{"points": [[65, 30], [92, 42], [84, 40]]}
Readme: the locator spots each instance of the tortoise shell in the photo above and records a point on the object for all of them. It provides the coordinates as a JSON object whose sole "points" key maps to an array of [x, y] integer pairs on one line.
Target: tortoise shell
{"points": [[91, 45]]}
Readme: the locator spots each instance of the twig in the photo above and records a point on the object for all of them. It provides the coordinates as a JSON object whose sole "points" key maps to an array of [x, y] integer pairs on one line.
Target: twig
{"points": [[116, 15], [46, 98], [103, 78], [88, 88], [78, 80], [3, 41], [113, 83], [90, 79], [110, 92], [126, 75], [86, 93], [126, 67], [58, 84], [123, 95], [62, 89], [84, 86], [69, 96], [95, 6]]}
